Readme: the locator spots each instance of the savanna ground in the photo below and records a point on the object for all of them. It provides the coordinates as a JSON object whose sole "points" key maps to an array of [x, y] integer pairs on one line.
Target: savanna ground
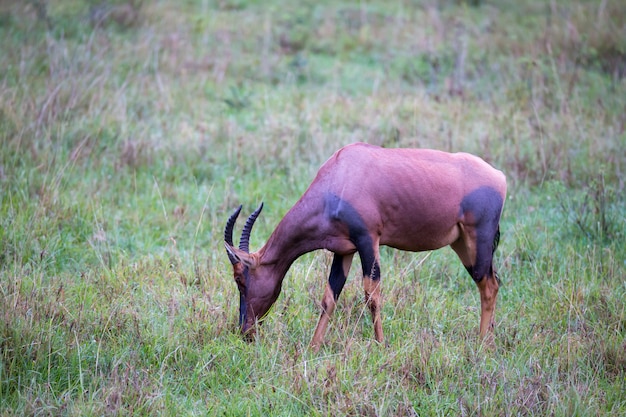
{"points": [[130, 131]]}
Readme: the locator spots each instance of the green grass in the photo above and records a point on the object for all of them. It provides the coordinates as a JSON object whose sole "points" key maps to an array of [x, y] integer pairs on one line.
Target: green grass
{"points": [[130, 131]]}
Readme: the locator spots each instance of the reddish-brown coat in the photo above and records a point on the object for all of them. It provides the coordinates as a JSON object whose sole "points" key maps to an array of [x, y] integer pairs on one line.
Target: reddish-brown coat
{"points": [[409, 199]]}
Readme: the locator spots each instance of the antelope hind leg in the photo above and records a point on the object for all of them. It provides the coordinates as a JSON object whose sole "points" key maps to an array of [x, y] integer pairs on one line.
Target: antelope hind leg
{"points": [[488, 288], [373, 299]]}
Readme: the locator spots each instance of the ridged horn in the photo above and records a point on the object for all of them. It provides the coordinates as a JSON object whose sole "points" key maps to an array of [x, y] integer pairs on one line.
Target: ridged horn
{"points": [[228, 233], [244, 244], [230, 224]]}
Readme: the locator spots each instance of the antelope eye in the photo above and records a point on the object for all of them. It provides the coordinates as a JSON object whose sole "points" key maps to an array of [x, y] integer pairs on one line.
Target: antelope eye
{"points": [[241, 282]]}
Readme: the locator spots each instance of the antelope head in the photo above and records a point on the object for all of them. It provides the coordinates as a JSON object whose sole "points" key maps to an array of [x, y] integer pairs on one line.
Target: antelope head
{"points": [[257, 287]]}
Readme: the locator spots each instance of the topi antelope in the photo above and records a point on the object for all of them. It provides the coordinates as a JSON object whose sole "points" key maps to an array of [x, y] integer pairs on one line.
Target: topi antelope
{"points": [[365, 196]]}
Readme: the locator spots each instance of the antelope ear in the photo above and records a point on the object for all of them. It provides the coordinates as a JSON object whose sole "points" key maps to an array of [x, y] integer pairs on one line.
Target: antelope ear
{"points": [[232, 256], [237, 255]]}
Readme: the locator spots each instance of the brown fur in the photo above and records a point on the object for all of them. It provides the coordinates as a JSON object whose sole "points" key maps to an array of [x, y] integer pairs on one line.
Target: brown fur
{"points": [[409, 199]]}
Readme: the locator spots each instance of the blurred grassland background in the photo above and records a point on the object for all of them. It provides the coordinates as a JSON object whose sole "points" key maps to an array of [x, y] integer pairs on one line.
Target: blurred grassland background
{"points": [[130, 130]]}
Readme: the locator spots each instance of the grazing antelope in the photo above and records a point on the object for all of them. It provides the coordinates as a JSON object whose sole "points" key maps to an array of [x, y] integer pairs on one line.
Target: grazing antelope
{"points": [[365, 196]]}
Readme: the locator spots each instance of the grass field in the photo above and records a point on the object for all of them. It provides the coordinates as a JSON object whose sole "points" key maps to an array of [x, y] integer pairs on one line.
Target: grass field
{"points": [[130, 131]]}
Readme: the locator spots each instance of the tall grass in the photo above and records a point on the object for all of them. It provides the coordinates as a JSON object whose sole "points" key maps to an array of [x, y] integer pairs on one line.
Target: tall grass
{"points": [[130, 130]]}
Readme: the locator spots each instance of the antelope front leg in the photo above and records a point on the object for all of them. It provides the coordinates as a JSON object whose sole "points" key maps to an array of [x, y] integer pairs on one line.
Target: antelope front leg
{"points": [[337, 279], [328, 306]]}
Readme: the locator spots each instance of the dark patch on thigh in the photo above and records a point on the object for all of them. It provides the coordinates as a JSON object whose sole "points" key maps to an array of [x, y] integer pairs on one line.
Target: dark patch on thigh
{"points": [[484, 205], [339, 210]]}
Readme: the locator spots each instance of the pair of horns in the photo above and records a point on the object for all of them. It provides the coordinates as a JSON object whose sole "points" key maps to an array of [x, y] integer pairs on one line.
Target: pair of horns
{"points": [[244, 243]]}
